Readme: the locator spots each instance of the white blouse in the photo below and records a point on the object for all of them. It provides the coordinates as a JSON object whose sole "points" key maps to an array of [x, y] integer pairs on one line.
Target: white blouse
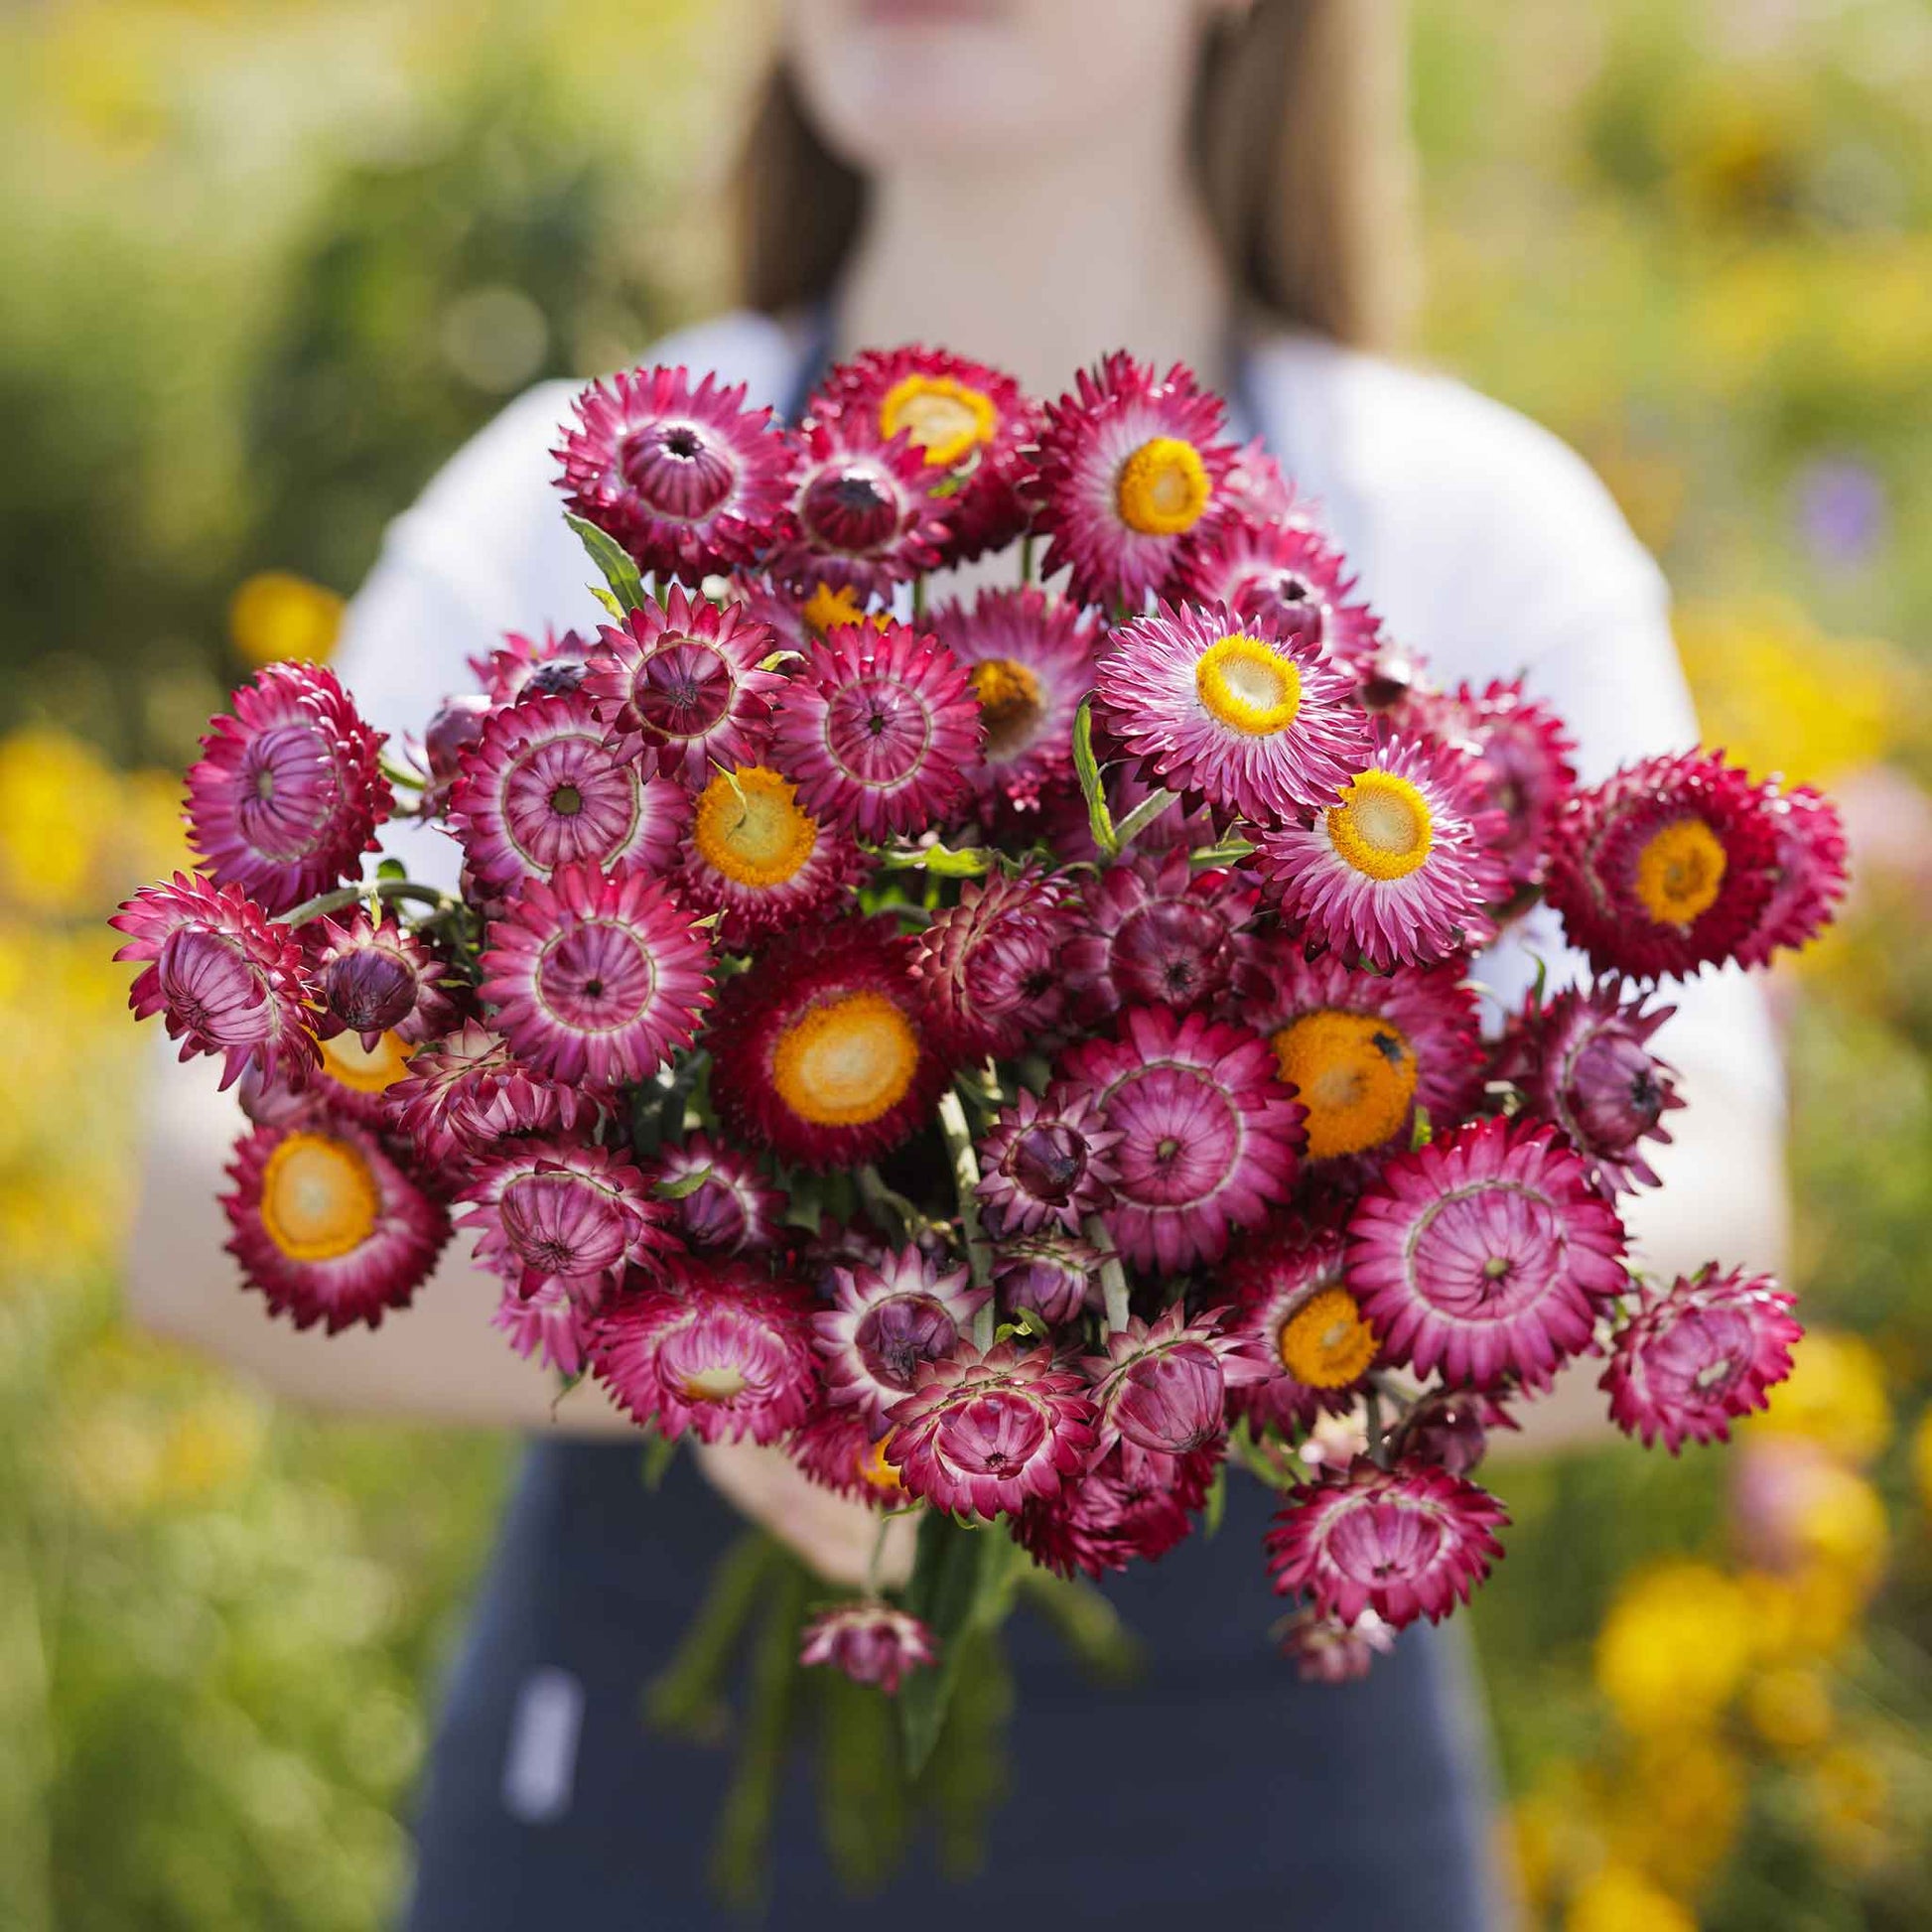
{"points": [[1486, 546]]}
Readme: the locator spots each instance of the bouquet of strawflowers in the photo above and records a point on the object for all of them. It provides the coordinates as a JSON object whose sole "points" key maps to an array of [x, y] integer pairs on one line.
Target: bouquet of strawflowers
{"points": [[1018, 1054]]}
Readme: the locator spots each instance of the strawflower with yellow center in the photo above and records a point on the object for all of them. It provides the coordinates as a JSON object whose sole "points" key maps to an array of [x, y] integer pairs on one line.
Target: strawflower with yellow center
{"points": [[1382, 827], [846, 1061], [1249, 685], [1164, 488], [1009, 701], [875, 1472], [1326, 1344], [1680, 872], [828, 607], [320, 1201], [946, 418], [749, 827], [1356, 1076], [363, 1069]]}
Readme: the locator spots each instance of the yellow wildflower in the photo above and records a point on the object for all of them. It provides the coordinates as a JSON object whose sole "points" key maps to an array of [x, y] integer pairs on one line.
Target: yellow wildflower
{"points": [[1674, 1647], [276, 615], [1835, 1395], [1618, 1899]]}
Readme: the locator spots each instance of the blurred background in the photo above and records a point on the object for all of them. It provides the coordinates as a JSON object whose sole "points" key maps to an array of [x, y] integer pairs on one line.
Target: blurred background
{"points": [[266, 264]]}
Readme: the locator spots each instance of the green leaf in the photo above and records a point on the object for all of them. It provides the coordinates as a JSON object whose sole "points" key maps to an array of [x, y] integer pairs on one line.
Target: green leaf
{"points": [[1099, 819], [958, 1577], [1422, 1133], [687, 1697], [392, 868], [863, 1800], [1217, 1499], [613, 559], [659, 1450], [675, 1189], [948, 862], [608, 601]]}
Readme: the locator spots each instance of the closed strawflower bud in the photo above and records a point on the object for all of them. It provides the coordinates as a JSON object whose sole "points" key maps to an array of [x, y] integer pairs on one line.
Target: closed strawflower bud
{"points": [[376, 976], [873, 1643], [1325, 1650], [1163, 1387], [1451, 1428], [1045, 1162], [453, 727], [1051, 1273]]}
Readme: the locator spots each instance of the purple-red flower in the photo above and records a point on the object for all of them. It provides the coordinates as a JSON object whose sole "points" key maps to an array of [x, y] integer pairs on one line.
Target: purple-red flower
{"points": [[689, 481], [594, 976], [1155, 932], [1405, 1543], [1808, 873], [1294, 1306], [1209, 1137], [1487, 1253], [838, 1449], [377, 977], [1282, 573], [1126, 1507], [718, 1350], [732, 1209], [1045, 1161], [871, 1642], [1325, 1650], [289, 788], [222, 977], [1162, 1387], [465, 1092], [522, 666], [982, 1433], [327, 1227], [549, 1328], [1056, 1275], [1708, 1348], [989, 969], [885, 1322]]}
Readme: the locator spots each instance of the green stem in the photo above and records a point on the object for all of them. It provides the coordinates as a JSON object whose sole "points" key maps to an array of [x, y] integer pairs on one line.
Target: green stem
{"points": [[1141, 817], [400, 774], [313, 908], [1113, 1277], [1229, 852], [891, 1211], [918, 597], [966, 1179], [1026, 561]]}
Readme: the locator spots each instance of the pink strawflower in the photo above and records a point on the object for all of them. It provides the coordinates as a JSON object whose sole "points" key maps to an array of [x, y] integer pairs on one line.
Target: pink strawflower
{"points": [[1162, 1387], [680, 687], [377, 977], [718, 1350], [1710, 1347], [971, 424], [689, 481], [860, 515], [871, 1642], [558, 1213], [465, 1092], [885, 1321], [1129, 466], [1152, 930], [327, 1227], [1294, 1307], [990, 968], [820, 1052], [1254, 491], [1487, 1253], [732, 1210], [1054, 1274], [289, 788], [1400, 868], [1362, 1050], [1808, 873], [594, 976], [1029, 659], [542, 790], [1582, 1059], [1404, 1543], [1209, 1137], [548, 1327], [879, 730], [1286, 573], [982, 1433], [839, 1450], [1045, 1162], [1325, 1650], [1122, 1510], [530, 667], [223, 978], [1666, 867]]}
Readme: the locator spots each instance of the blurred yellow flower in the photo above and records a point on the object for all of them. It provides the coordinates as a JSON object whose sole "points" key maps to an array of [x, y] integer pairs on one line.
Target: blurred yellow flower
{"points": [[1790, 1708], [1922, 1458], [58, 809], [276, 615], [210, 1444], [1618, 1899], [1835, 1396], [1808, 1614], [1674, 1647], [1849, 1798], [1680, 1801], [1551, 1836]]}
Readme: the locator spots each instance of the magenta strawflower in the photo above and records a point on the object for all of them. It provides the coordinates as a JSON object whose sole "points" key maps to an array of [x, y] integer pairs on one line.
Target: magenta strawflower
{"points": [[378, 977], [732, 1210], [1325, 1650], [1487, 1253], [679, 686], [464, 1093], [542, 790], [1808, 868], [548, 1327], [1254, 491], [885, 1322], [1705, 1351], [225, 979], [289, 788], [1129, 466], [1045, 1161], [1162, 1387], [879, 730], [872, 1643], [594, 976], [1122, 1509], [455, 727], [556, 1212], [523, 667], [1152, 930], [327, 1227], [860, 515], [838, 1449], [820, 1052], [1399, 868], [970, 423], [1666, 867], [1030, 657], [1362, 1050], [990, 968], [1209, 1137], [689, 481], [1582, 1059], [982, 1433], [1404, 1543], [1294, 1308], [1287, 575], [718, 1350], [1056, 1275]]}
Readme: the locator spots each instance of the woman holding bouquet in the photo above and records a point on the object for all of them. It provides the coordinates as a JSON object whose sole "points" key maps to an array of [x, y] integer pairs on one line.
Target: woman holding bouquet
{"points": [[1036, 183]]}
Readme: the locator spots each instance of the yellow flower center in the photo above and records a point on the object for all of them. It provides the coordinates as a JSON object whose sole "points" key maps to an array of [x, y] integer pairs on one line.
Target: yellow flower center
{"points": [[1382, 826], [846, 1061], [945, 417], [874, 1470], [1249, 685], [1326, 1344], [719, 1384], [347, 1062], [319, 1199], [828, 607], [1163, 487], [1356, 1076], [750, 828], [1009, 699], [1680, 872]]}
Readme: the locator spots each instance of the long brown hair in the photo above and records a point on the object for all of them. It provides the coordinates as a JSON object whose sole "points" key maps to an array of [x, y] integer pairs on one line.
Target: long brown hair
{"points": [[1300, 145]]}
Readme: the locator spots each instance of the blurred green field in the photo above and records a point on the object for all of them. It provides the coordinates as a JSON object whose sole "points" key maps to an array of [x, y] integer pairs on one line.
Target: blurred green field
{"points": [[266, 264]]}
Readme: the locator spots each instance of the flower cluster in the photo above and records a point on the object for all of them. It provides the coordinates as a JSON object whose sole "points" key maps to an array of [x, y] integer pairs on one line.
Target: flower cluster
{"points": [[1020, 1059]]}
